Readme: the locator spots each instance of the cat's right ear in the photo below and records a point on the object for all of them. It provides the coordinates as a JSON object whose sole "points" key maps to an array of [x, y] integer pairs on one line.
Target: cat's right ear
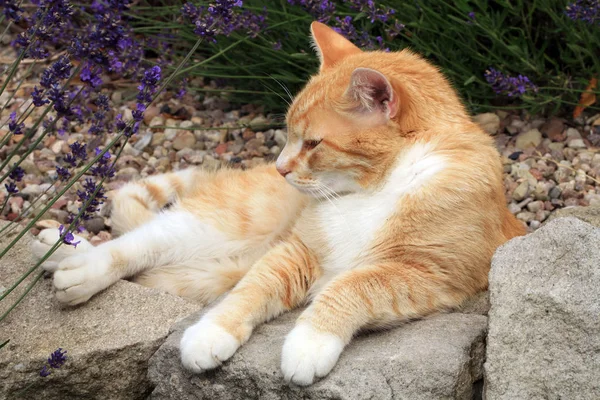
{"points": [[331, 47]]}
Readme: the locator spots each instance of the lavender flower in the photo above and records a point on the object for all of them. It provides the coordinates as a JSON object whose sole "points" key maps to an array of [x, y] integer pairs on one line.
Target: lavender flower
{"points": [[78, 154], [322, 10], [61, 103], [346, 28], [138, 113], [38, 97], [67, 239], [44, 372], [14, 126], [396, 29], [92, 193], [508, 85], [11, 188], [91, 75], [17, 174], [57, 358], [98, 118], [63, 173], [219, 18], [46, 24], [190, 11], [374, 13], [103, 168], [471, 17], [149, 84], [587, 11], [11, 10]]}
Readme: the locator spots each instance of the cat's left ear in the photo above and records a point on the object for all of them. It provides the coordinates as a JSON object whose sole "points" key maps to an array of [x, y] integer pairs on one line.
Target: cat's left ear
{"points": [[371, 92], [331, 47]]}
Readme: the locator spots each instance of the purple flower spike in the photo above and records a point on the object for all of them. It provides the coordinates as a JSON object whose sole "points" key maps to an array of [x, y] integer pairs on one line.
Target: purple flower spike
{"points": [[219, 18], [587, 11], [44, 372], [67, 239], [11, 10], [63, 173], [103, 169], [322, 10], [57, 358], [508, 85], [11, 188], [14, 126], [38, 97], [17, 174], [91, 76]]}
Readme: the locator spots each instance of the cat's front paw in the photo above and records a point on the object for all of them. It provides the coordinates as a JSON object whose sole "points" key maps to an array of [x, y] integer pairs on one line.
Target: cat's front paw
{"points": [[308, 353], [205, 345], [81, 276]]}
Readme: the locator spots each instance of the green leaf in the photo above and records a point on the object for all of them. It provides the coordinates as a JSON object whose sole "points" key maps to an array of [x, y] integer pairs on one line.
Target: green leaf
{"points": [[470, 80]]}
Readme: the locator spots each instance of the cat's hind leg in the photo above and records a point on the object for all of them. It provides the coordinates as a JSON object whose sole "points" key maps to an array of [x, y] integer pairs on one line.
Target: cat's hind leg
{"points": [[138, 202]]}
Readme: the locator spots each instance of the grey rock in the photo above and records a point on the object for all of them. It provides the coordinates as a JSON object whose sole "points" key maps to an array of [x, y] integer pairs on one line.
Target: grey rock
{"points": [[577, 144], [94, 225], [521, 191], [143, 141], [280, 137], [435, 358], [544, 331], [555, 192], [109, 340], [590, 214], [489, 122], [573, 133], [531, 138], [184, 139], [525, 216]]}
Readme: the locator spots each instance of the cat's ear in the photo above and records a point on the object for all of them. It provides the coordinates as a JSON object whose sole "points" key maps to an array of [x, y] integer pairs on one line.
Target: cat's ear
{"points": [[331, 47], [371, 92]]}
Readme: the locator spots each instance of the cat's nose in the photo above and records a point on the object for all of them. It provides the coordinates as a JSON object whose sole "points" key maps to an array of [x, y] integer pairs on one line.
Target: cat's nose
{"points": [[283, 170]]}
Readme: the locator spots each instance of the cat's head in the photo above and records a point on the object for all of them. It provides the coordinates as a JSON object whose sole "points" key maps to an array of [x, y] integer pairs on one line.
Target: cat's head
{"points": [[348, 125]]}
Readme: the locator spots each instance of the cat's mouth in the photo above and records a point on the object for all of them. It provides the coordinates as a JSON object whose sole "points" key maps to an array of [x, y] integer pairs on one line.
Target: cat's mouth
{"points": [[314, 189]]}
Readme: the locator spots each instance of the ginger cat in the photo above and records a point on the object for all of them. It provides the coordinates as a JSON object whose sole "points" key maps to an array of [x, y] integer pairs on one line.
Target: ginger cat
{"points": [[393, 207]]}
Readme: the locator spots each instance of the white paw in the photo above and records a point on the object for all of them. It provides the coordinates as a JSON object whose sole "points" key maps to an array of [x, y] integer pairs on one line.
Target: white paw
{"points": [[308, 353], [81, 276], [46, 240], [205, 345]]}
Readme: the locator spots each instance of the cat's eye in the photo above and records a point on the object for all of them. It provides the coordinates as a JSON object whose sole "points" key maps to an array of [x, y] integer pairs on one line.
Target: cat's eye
{"points": [[311, 144]]}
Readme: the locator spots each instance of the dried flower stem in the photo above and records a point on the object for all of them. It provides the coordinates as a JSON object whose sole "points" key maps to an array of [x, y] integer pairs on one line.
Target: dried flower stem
{"points": [[558, 164]]}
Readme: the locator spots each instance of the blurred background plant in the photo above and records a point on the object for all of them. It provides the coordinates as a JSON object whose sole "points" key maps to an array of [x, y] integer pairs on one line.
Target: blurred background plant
{"points": [[537, 55], [540, 56]]}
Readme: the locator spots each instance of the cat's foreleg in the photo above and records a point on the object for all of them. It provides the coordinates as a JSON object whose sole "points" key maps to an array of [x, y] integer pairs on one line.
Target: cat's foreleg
{"points": [[171, 237], [370, 296], [279, 281]]}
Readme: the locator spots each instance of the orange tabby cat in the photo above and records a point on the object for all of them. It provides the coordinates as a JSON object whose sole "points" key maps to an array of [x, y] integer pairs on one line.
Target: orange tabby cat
{"points": [[393, 209]]}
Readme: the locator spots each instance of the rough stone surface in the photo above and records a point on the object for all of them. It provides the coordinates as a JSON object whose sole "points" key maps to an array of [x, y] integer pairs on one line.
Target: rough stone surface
{"points": [[544, 330], [435, 358], [590, 214], [108, 340]]}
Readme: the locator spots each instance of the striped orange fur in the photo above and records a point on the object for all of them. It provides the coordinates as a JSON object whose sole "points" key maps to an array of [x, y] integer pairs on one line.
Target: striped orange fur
{"points": [[393, 207]]}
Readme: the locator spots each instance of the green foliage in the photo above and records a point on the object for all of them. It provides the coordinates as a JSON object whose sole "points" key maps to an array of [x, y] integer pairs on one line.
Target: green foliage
{"points": [[531, 38]]}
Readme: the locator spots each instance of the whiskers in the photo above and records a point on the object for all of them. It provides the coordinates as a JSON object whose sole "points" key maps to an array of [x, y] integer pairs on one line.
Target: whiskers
{"points": [[287, 91], [323, 192]]}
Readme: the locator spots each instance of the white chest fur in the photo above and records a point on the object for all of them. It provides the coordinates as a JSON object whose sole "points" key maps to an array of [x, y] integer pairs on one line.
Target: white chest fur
{"points": [[351, 223]]}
